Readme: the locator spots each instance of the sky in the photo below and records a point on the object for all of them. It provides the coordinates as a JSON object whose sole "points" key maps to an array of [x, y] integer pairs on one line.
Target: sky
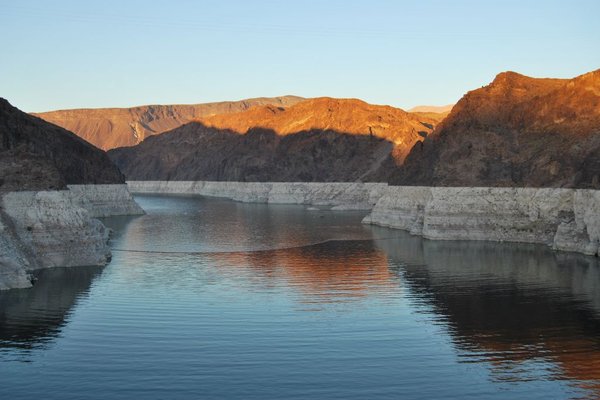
{"points": [[81, 54]]}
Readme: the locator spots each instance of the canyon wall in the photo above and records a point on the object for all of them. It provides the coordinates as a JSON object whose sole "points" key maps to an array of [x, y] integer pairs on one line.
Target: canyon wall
{"points": [[565, 219], [517, 131], [317, 140], [43, 229]]}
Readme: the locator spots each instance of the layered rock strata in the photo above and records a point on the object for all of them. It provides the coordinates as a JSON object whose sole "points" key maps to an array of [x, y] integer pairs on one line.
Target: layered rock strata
{"points": [[335, 195], [565, 219], [43, 229]]}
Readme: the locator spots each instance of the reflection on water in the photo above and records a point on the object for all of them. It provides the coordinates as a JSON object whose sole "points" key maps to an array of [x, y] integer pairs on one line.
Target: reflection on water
{"points": [[520, 308], [334, 271], [30, 318], [228, 300]]}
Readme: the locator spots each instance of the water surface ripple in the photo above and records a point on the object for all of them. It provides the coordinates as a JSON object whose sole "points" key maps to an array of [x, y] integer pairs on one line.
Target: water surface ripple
{"points": [[215, 299]]}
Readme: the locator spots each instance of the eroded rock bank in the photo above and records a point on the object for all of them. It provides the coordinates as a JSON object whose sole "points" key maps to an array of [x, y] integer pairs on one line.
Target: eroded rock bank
{"points": [[337, 195], [43, 229], [565, 219]]}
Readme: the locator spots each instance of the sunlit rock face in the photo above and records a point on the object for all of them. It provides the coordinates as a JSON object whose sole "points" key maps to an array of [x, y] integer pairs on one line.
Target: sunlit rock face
{"points": [[347, 116], [107, 128], [516, 131], [317, 140]]}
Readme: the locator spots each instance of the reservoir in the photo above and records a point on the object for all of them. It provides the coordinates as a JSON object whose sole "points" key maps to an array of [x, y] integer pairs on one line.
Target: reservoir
{"points": [[215, 299]]}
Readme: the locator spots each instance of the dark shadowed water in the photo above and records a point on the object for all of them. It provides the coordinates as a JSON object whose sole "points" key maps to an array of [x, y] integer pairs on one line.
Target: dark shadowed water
{"points": [[210, 299]]}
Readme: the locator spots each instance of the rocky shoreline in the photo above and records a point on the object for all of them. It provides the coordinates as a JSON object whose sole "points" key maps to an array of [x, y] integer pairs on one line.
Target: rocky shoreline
{"points": [[336, 195], [51, 228], [564, 219]]}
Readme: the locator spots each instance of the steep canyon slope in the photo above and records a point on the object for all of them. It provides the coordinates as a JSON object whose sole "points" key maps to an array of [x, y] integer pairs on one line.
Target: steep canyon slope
{"points": [[516, 131], [37, 155]]}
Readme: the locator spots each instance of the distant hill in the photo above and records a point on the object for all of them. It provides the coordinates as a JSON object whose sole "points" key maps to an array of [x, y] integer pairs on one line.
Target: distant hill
{"points": [[432, 109], [37, 155], [321, 139], [108, 128], [516, 131], [437, 113]]}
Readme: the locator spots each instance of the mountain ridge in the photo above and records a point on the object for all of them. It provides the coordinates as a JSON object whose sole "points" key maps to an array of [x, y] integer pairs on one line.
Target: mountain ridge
{"points": [[321, 139], [516, 131], [108, 128]]}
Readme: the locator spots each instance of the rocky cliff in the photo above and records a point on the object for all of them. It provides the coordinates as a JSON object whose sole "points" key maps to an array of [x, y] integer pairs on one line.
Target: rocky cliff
{"points": [[57, 228], [108, 128], [517, 131], [40, 226], [37, 155], [565, 219], [316, 140]]}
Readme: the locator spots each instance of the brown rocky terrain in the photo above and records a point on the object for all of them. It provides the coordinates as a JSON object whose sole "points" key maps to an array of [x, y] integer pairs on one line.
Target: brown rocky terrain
{"points": [[516, 131], [320, 139], [108, 128], [348, 116], [37, 155]]}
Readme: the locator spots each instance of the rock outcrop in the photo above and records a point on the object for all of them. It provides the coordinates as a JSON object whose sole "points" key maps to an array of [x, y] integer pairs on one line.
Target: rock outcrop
{"points": [[517, 131], [108, 128], [37, 155], [565, 219], [324, 140], [43, 229]]}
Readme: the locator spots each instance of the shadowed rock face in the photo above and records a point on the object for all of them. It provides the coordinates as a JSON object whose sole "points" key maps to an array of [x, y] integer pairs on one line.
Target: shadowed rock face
{"points": [[108, 128], [37, 155], [30, 318], [517, 131], [196, 152], [321, 139]]}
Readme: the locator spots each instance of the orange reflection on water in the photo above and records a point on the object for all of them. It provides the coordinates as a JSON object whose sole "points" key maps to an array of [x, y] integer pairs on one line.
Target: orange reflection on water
{"points": [[341, 272]]}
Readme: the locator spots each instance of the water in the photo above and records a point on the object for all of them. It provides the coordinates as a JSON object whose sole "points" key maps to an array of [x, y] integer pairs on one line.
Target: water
{"points": [[215, 299]]}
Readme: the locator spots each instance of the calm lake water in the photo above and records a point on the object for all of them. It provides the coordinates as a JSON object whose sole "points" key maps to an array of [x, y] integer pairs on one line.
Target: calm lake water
{"points": [[215, 299]]}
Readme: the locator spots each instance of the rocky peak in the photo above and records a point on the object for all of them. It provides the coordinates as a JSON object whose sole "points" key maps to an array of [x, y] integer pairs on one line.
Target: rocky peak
{"points": [[516, 131]]}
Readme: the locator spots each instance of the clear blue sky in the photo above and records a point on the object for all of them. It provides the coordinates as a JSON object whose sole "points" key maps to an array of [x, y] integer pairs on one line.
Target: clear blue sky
{"points": [[69, 54]]}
